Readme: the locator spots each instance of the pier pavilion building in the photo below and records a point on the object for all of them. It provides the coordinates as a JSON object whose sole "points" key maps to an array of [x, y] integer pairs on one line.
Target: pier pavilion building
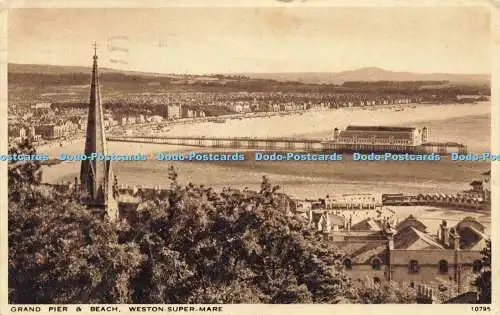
{"points": [[390, 139], [380, 138]]}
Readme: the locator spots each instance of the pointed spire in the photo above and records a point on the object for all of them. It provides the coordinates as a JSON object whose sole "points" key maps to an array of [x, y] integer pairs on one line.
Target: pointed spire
{"points": [[95, 174]]}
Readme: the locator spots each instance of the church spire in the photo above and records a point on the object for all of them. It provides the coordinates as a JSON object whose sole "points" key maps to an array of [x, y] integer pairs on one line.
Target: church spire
{"points": [[95, 174]]}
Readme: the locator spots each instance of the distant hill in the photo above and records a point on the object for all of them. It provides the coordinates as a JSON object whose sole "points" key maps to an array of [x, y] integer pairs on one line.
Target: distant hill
{"points": [[371, 74], [338, 78], [62, 70], [30, 83]]}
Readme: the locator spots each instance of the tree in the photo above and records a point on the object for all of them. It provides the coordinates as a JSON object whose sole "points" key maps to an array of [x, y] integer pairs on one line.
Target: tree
{"points": [[383, 293], [232, 247], [59, 252], [22, 174], [483, 281]]}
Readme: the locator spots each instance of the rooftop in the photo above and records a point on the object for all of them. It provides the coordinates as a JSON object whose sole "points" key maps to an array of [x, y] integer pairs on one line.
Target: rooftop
{"points": [[380, 128], [414, 239], [363, 252], [368, 224]]}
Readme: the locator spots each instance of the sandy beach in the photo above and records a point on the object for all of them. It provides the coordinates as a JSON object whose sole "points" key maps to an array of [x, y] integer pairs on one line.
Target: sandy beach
{"points": [[313, 124]]}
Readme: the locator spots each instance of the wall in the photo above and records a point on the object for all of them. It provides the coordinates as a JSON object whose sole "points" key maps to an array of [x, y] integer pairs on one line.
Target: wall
{"points": [[362, 272], [429, 266]]}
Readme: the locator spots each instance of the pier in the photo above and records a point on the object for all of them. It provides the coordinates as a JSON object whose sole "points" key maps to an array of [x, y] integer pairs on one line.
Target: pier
{"points": [[292, 144], [289, 144]]}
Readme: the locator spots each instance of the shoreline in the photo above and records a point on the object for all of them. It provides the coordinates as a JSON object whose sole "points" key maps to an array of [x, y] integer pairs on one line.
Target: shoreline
{"points": [[314, 126]]}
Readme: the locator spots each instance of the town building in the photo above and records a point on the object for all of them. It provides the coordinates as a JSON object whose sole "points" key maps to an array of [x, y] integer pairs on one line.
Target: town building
{"points": [[41, 106], [173, 111], [123, 121], [79, 122], [140, 119], [192, 113], [59, 129], [188, 112], [12, 119], [50, 131], [17, 133], [155, 118], [353, 201], [131, 120], [407, 253]]}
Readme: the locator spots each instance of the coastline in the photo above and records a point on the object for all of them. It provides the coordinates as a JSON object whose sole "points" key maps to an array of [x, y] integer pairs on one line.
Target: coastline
{"points": [[318, 124], [300, 176]]}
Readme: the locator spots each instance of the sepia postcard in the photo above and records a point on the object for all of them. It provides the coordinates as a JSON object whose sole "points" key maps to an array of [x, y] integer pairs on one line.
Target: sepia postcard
{"points": [[249, 157]]}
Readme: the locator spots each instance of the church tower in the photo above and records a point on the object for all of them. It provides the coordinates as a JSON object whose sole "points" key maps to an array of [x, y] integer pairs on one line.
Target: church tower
{"points": [[96, 178]]}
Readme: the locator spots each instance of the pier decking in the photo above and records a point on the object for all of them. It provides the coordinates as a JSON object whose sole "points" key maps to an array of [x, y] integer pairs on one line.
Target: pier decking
{"points": [[291, 144], [234, 143]]}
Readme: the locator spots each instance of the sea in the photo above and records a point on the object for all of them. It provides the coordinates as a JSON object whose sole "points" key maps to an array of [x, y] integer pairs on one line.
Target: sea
{"points": [[469, 124]]}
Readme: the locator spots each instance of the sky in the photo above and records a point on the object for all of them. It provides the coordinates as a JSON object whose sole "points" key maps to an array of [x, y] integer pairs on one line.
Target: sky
{"points": [[255, 40]]}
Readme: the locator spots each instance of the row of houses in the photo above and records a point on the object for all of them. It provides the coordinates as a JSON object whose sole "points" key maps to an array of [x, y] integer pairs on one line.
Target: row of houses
{"points": [[173, 111], [478, 197], [47, 130], [436, 199], [124, 120], [255, 106], [17, 133], [358, 201], [192, 113]]}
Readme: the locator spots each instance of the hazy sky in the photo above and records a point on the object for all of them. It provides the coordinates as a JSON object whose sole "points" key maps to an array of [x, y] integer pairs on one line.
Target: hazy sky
{"points": [[223, 40]]}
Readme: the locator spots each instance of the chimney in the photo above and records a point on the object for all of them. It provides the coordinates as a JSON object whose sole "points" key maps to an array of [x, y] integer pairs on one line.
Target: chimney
{"points": [[336, 134], [328, 223], [425, 134], [455, 238], [390, 241], [445, 233]]}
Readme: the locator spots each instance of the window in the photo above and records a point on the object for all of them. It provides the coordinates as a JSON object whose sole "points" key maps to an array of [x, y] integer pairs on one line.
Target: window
{"points": [[376, 264], [443, 266], [348, 264], [477, 265], [413, 266]]}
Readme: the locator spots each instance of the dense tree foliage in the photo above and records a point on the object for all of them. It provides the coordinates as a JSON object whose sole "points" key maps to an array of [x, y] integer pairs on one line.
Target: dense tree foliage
{"points": [[202, 245], [384, 293], [483, 281], [194, 246], [60, 253], [23, 173]]}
